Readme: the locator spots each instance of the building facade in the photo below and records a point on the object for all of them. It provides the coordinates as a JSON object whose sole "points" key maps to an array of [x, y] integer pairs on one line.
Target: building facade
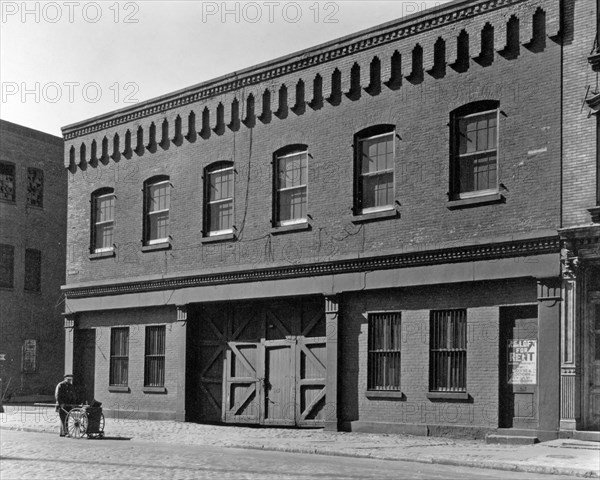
{"points": [[363, 235], [33, 231]]}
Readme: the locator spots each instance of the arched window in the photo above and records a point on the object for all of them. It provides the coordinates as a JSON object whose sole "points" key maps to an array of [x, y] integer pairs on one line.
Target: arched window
{"points": [[103, 220], [374, 150], [474, 149], [218, 199], [157, 202], [290, 185]]}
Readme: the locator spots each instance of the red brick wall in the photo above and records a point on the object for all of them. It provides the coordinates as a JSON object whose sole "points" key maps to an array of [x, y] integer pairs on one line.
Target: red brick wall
{"points": [[482, 301], [579, 129], [527, 87], [33, 315], [136, 403]]}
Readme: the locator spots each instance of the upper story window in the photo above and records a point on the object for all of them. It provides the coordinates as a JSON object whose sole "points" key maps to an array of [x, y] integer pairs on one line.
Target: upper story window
{"points": [[374, 169], [103, 220], [218, 205], [7, 265], [33, 270], [474, 162], [157, 201], [7, 182], [35, 187], [291, 178]]}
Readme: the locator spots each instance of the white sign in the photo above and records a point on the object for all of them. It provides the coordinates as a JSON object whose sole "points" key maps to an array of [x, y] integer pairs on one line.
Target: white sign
{"points": [[522, 362]]}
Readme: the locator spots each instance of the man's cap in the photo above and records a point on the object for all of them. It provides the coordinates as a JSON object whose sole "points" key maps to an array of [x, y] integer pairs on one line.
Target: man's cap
{"points": [[68, 375]]}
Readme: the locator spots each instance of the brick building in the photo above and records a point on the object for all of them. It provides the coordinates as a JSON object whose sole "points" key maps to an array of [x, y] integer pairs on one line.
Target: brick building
{"points": [[33, 231], [363, 235]]}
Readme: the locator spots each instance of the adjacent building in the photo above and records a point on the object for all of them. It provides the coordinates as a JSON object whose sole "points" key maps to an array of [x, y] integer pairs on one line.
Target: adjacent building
{"points": [[33, 231], [363, 235]]}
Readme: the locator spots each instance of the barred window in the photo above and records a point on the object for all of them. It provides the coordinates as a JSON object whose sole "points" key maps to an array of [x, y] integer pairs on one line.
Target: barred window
{"points": [[119, 356], [291, 187], [448, 351], [218, 206], [385, 337], [29, 362], [7, 266], [7, 182], [157, 194], [103, 220], [33, 270], [154, 364], [35, 187]]}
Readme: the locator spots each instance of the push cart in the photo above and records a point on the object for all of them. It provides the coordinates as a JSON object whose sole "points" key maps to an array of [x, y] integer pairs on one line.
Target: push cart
{"points": [[85, 420]]}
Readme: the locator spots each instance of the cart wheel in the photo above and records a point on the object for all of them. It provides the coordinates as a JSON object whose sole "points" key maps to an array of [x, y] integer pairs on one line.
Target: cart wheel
{"points": [[77, 423], [100, 432]]}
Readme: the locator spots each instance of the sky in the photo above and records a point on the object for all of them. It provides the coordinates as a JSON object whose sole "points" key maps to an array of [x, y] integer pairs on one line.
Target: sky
{"points": [[62, 62]]}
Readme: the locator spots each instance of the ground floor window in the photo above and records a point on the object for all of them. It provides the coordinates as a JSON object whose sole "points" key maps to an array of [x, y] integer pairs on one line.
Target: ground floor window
{"points": [[119, 356], [448, 351], [385, 338], [154, 364]]}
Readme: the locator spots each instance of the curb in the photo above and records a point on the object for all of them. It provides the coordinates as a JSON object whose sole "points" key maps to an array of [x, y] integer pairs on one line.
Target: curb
{"points": [[486, 464]]}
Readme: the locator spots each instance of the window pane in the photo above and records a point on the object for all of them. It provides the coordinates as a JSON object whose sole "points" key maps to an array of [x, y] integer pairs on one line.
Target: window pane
{"points": [[105, 208], [159, 197], [377, 153], [33, 270], [7, 261], [378, 190], [221, 216], [7, 182], [158, 225], [292, 204], [292, 170], [221, 185], [35, 187], [104, 236]]}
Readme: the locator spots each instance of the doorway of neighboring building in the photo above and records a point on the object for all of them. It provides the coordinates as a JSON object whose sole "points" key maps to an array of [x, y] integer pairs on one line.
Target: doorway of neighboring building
{"points": [[85, 364], [518, 404]]}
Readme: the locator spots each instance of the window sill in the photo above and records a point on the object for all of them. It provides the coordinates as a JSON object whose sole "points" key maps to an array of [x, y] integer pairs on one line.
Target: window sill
{"points": [[11, 202], [218, 238], [368, 217], [476, 201], [34, 207], [156, 246], [384, 394], [35, 292], [154, 390], [108, 254], [118, 389], [448, 396], [295, 227]]}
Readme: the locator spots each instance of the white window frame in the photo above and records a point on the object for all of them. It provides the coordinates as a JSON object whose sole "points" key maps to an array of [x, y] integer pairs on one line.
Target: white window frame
{"points": [[361, 175], [106, 222], [149, 213], [458, 156], [209, 203], [292, 221]]}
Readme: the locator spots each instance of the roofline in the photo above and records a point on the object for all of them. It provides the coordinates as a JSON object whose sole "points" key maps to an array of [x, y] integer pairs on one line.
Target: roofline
{"points": [[30, 132], [171, 96]]}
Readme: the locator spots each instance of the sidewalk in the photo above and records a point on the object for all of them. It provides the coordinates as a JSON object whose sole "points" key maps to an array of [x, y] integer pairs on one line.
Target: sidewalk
{"points": [[563, 457]]}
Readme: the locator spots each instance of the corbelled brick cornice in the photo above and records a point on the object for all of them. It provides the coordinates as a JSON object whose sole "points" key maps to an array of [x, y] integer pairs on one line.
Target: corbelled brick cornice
{"points": [[350, 45], [491, 251]]}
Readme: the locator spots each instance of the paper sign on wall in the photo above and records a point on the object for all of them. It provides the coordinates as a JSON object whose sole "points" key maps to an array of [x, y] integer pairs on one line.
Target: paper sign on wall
{"points": [[522, 362]]}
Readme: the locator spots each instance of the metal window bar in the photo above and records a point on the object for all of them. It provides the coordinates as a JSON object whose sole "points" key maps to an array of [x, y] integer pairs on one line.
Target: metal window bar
{"points": [[154, 365], [448, 351], [119, 356], [384, 351]]}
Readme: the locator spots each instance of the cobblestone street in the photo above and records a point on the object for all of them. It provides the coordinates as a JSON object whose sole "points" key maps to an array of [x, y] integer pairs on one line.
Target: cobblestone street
{"points": [[43, 456]]}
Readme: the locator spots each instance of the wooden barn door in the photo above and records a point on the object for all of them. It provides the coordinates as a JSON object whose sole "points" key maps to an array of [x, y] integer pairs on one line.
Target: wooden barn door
{"points": [[311, 371], [244, 366]]}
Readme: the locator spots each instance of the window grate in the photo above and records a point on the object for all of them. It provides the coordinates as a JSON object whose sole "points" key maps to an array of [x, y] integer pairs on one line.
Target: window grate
{"points": [[154, 365], [448, 351], [384, 351], [119, 356]]}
